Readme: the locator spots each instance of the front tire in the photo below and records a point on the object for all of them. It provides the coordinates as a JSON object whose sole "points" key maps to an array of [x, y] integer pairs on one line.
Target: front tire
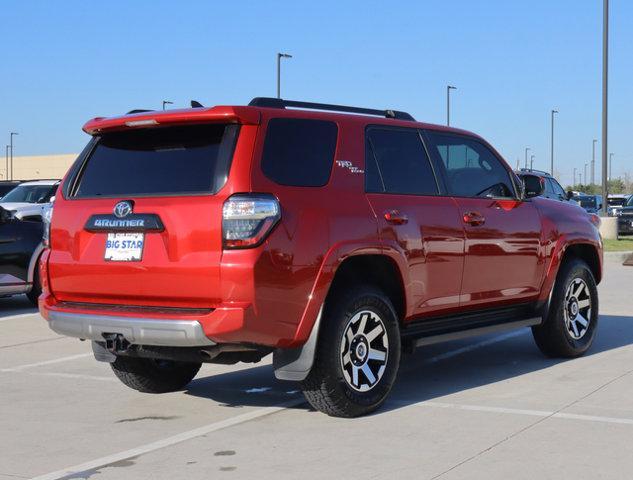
{"points": [[570, 326], [154, 376], [357, 357]]}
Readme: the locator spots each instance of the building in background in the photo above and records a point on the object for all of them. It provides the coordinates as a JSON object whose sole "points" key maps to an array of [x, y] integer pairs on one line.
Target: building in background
{"points": [[38, 166]]}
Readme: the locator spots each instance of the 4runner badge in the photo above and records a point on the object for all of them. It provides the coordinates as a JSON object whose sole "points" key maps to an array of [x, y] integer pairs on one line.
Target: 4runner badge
{"points": [[349, 165]]}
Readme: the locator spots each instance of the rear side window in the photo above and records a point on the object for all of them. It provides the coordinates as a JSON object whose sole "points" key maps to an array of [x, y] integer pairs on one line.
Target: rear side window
{"points": [[472, 169], [396, 162], [159, 161], [299, 152]]}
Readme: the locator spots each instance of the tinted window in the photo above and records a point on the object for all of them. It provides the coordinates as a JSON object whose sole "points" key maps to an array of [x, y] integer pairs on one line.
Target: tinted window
{"points": [[299, 152], [171, 160], [549, 188], [472, 169], [558, 190], [396, 162]]}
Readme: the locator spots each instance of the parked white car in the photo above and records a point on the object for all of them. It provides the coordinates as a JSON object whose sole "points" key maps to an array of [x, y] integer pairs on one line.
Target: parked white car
{"points": [[28, 200]]}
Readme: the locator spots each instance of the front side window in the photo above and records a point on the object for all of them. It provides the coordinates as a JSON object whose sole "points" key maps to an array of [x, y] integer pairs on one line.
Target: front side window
{"points": [[472, 170], [396, 162], [558, 190], [299, 152]]}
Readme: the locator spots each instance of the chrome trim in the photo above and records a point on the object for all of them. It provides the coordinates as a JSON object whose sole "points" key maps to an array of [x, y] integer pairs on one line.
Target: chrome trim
{"points": [[33, 263], [139, 331]]}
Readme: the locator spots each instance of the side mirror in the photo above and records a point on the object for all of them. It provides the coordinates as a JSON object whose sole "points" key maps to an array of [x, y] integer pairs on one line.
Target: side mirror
{"points": [[533, 185], [570, 195], [5, 216]]}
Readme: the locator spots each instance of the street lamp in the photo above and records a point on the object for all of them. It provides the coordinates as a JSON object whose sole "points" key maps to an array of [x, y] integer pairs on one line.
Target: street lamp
{"points": [[610, 166], [526, 150], [574, 182], [605, 100], [585, 176], [6, 158], [552, 144], [279, 57], [532, 162], [11, 146], [448, 103], [167, 102], [593, 162]]}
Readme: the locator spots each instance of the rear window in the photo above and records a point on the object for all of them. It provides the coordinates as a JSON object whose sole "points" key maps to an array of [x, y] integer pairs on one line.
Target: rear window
{"points": [[159, 161], [299, 152]]}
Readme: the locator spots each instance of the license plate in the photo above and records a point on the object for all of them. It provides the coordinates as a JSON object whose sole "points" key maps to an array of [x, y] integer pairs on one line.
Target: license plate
{"points": [[124, 247]]}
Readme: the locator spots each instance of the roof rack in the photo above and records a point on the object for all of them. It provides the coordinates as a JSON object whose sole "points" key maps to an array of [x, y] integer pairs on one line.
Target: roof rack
{"points": [[534, 170], [138, 110], [268, 102]]}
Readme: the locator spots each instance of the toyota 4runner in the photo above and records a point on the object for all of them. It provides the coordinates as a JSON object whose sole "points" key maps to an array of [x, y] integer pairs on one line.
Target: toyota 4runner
{"points": [[332, 237]]}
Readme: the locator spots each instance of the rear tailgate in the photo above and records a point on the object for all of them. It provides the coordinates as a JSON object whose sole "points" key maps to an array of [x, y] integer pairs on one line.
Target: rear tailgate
{"points": [[177, 176]]}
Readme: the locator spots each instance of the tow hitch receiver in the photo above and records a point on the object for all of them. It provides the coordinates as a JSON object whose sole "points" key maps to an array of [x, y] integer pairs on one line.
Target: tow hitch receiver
{"points": [[115, 343]]}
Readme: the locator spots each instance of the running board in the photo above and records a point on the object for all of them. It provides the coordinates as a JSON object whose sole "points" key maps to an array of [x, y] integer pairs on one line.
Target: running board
{"points": [[455, 328]]}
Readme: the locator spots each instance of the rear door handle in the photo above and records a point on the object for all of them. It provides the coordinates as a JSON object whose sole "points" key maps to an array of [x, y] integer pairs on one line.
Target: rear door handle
{"points": [[395, 217], [474, 219]]}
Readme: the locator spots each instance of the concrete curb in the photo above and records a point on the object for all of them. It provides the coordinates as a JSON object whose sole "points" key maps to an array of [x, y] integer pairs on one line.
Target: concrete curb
{"points": [[618, 257]]}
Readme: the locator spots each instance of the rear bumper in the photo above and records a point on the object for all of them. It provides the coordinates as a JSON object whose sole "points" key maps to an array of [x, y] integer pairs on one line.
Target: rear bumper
{"points": [[141, 331]]}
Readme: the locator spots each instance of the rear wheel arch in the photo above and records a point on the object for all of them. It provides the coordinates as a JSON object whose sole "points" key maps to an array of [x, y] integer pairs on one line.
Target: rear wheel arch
{"points": [[378, 270]]}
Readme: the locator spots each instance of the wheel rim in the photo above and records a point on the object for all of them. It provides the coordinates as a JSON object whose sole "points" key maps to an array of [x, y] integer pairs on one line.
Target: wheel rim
{"points": [[364, 351], [577, 308]]}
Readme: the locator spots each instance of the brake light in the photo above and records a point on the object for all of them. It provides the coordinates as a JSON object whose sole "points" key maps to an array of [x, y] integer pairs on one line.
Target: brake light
{"points": [[47, 216], [248, 218]]}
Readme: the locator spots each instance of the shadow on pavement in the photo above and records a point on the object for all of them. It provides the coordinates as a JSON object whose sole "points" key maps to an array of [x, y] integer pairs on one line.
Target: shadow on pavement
{"points": [[421, 377], [15, 305]]}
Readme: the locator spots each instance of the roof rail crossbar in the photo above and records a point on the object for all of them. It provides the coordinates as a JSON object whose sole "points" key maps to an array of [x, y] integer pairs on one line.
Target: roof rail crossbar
{"points": [[138, 110], [268, 102]]}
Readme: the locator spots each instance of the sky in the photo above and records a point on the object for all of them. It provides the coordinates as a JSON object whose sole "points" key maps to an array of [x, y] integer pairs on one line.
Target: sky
{"points": [[64, 62]]}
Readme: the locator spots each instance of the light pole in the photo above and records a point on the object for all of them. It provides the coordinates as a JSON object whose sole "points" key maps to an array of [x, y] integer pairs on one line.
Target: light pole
{"points": [[11, 146], [585, 176], [6, 158], [167, 102], [448, 103], [552, 144], [532, 162], [526, 151], [574, 182], [605, 100], [279, 57], [610, 166], [593, 162]]}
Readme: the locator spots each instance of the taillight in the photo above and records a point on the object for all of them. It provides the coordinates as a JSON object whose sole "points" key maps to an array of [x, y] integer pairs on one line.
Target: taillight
{"points": [[47, 216], [248, 218]]}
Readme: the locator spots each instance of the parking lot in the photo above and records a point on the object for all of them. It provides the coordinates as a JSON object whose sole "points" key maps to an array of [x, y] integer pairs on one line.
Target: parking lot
{"points": [[489, 407]]}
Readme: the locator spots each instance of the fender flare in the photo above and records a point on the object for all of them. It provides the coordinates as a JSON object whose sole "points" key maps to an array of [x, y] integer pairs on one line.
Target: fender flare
{"points": [[35, 258]]}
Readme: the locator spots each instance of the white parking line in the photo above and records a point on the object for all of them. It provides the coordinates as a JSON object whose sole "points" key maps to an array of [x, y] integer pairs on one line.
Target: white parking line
{"points": [[74, 376], [167, 442], [21, 315], [531, 413], [19, 368]]}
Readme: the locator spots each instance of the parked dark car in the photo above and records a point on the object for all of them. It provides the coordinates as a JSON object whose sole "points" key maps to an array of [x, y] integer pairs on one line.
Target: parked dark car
{"points": [[20, 249], [625, 218], [552, 188], [591, 203]]}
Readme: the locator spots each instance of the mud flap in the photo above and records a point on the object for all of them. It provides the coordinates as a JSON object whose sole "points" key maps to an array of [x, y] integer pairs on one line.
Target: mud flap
{"points": [[294, 364]]}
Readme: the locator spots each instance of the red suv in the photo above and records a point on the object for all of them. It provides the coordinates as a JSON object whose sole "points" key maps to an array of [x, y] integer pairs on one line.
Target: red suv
{"points": [[332, 237]]}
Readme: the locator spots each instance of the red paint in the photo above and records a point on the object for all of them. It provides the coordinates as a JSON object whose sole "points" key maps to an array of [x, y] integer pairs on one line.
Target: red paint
{"points": [[452, 253]]}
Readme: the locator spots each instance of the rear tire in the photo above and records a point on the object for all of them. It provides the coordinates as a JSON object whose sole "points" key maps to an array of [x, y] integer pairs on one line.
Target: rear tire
{"points": [[570, 326], [154, 376], [357, 355]]}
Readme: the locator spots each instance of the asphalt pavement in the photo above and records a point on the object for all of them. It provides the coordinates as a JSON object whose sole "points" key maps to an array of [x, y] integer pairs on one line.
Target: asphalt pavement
{"points": [[484, 408]]}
